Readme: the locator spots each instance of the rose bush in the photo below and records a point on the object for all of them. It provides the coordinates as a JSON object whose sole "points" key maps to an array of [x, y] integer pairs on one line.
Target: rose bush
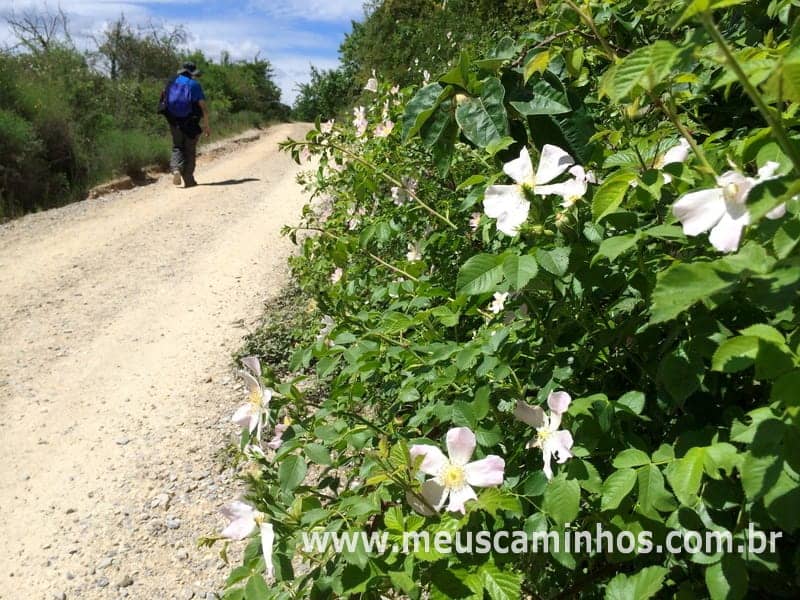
{"points": [[466, 290]]}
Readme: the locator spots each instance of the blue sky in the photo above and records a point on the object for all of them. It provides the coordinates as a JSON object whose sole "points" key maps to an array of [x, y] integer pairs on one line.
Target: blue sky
{"points": [[292, 34]]}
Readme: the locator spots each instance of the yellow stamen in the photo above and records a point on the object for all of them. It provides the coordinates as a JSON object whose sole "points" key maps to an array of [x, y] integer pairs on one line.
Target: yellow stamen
{"points": [[453, 477]]}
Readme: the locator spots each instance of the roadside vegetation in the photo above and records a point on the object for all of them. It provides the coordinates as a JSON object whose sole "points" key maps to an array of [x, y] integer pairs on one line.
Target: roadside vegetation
{"points": [[71, 118], [569, 256]]}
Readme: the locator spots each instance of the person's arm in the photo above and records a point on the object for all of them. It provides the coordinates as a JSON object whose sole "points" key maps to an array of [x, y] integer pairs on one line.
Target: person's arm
{"points": [[204, 108]]}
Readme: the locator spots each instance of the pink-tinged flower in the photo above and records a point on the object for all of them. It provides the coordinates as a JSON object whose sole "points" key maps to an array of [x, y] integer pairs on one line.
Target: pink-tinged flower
{"points": [[508, 203], [414, 253], [252, 364], [327, 126], [243, 520], [498, 302], [400, 194], [475, 221], [677, 154], [336, 275], [723, 209], [327, 327], [453, 476], [277, 438], [384, 129], [360, 120], [250, 415], [305, 154], [395, 90], [552, 441], [570, 190]]}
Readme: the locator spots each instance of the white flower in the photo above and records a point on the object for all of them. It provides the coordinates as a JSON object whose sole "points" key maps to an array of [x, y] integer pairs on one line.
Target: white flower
{"points": [[552, 441], [676, 154], [498, 303], [414, 252], [384, 129], [305, 154], [327, 126], [723, 209], [508, 204], [250, 415], [360, 120], [395, 90], [474, 221], [327, 326], [426, 77], [372, 85], [336, 275], [243, 519], [400, 195], [453, 475]]}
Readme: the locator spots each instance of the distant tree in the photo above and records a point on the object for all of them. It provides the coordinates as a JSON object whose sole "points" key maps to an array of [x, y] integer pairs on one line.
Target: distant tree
{"points": [[40, 31], [327, 93]]}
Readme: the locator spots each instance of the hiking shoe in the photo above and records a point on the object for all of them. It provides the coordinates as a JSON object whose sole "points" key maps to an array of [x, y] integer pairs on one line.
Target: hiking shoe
{"points": [[176, 177], [189, 184]]}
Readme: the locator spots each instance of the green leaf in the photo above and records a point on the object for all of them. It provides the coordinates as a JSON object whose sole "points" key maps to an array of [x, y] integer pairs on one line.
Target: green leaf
{"points": [[683, 285], [609, 196], [786, 389], [645, 68], [480, 274], [318, 454], [537, 62], [420, 108], [634, 401], [612, 248], [555, 261], [493, 499], [291, 472], [686, 474], [653, 496], [700, 6], [631, 458], [519, 270], [256, 588], [547, 100], [501, 585], [484, 120], [727, 579], [562, 500], [735, 354], [641, 586], [721, 456], [618, 485]]}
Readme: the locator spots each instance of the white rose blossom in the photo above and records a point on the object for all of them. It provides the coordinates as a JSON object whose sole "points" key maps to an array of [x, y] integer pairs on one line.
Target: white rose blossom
{"points": [[509, 205], [453, 476], [498, 302], [243, 520], [723, 209], [250, 415], [554, 443]]}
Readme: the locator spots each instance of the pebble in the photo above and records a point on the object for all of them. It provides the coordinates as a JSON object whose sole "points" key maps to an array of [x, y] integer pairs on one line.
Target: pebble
{"points": [[188, 594], [173, 522], [127, 581], [106, 562], [60, 596], [102, 582], [122, 441]]}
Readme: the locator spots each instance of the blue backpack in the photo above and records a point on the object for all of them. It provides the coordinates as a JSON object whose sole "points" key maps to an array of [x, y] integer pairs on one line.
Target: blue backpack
{"points": [[179, 99]]}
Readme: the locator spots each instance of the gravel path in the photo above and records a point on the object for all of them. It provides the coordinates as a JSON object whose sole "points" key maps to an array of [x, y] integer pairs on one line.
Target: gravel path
{"points": [[117, 319]]}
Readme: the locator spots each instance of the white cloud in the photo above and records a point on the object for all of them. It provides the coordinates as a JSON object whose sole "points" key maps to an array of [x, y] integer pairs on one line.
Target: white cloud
{"points": [[285, 32]]}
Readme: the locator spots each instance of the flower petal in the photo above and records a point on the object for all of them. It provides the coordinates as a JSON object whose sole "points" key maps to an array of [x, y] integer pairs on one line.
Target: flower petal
{"points": [[434, 494], [458, 499], [677, 154], [559, 402], [552, 163], [434, 460], [546, 456], [255, 421], [242, 520], [777, 212], [725, 236], [253, 364], [508, 205], [699, 211], [520, 169], [251, 383], [768, 170], [532, 415], [460, 445], [561, 445], [242, 415], [420, 507], [267, 541], [485, 472]]}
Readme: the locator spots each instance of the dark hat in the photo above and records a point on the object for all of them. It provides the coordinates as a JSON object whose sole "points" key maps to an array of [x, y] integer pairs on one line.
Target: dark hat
{"points": [[189, 68]]}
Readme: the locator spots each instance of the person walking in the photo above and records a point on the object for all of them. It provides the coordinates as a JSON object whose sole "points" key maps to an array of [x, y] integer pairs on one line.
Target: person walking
{"points": [[184, 106]]}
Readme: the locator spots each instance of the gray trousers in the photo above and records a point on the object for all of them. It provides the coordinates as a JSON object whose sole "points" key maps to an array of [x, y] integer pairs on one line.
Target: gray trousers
{"points": [[184, 151]]}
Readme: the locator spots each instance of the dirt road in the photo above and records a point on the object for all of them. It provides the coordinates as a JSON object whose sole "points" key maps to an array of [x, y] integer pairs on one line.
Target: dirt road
{"points": [[117, 319]]}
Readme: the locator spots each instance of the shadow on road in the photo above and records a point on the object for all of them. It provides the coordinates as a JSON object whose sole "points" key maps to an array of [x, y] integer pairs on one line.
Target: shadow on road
{"points": [[231, 181]]}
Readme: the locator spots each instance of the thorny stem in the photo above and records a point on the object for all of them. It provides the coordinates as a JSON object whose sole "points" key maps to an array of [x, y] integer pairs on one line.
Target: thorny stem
{"points": [[770, 117]]}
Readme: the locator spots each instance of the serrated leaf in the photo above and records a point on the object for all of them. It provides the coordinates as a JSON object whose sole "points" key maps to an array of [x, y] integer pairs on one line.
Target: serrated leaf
{"points": [[686, 474], [609, 196], [519, 270], [727, 580], [555, 261], [641, 586], [562, 500], [683, 285], [501, 585], [630, 458], [291, 472], [480, 274], [618, 485]]}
